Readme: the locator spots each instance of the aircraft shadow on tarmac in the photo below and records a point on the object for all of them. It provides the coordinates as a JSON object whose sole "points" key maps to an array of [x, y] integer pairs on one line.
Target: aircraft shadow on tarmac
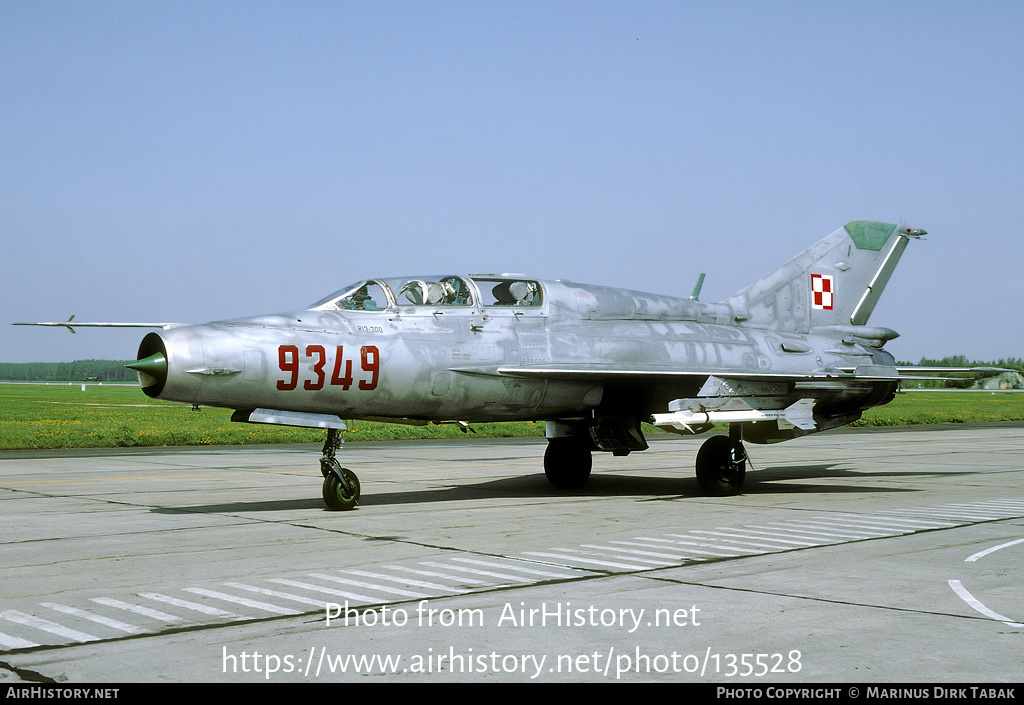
{"points": [[787, 479]]}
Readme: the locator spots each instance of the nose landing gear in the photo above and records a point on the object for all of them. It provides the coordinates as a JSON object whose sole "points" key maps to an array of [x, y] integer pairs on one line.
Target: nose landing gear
{"points": [[341, 486]]}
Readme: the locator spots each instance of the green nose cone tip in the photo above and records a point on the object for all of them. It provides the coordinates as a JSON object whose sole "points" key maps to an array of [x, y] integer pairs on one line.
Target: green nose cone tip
{"points": [[155, 365]]}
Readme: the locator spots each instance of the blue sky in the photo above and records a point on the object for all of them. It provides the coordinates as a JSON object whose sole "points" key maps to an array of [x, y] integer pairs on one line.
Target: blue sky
{"points": [[194, 161]]}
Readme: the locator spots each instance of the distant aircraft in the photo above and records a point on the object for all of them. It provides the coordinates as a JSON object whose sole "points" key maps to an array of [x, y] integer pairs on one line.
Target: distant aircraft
{"points": [[788, 355]]}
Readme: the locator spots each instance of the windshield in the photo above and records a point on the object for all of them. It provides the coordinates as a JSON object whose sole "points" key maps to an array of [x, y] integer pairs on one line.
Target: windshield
{"points": [[364, 296]]}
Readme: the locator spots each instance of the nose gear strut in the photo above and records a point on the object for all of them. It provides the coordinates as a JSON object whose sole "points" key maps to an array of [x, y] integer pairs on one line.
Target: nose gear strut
{"points": [[341, 486]]}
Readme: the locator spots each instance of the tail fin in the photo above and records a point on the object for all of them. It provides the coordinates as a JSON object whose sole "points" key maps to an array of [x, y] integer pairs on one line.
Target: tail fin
{"points": [[835, 283]]}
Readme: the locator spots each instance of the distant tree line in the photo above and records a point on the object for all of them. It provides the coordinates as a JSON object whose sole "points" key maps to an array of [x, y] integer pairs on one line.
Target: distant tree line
{"points": [[77, 371], [1013, 363]]}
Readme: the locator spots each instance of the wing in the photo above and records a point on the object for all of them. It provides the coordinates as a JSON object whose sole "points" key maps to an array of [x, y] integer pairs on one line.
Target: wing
{"points": [[610, 372], [607, 372], [724, 396]]}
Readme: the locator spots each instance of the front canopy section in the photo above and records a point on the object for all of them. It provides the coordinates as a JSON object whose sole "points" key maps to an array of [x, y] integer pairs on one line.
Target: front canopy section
{"points": [[370, 295]]}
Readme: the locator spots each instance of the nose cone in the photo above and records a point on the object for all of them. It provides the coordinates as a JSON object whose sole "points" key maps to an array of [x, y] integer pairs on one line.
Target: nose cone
{"points": [[154, 365], [164, 362], [152, 370], [151, 365]]}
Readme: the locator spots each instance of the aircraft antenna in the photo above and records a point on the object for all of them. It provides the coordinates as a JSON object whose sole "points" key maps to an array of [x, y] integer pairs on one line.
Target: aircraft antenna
{"points": [[696, 287]]}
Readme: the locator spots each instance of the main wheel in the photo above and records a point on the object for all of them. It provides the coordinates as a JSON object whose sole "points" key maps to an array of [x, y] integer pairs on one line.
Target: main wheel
{"points": [[335, 496], [567, 462], [721, 466]]}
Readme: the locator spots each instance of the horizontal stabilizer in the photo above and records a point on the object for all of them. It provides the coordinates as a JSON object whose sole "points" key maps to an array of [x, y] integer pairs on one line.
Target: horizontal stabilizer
{"points": [[916, 372], [963, 371]]}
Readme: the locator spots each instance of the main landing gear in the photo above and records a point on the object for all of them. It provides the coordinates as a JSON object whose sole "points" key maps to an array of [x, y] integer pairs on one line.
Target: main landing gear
{"points": [[567, 462], [721, 464], [341, 486], [721, 467]]}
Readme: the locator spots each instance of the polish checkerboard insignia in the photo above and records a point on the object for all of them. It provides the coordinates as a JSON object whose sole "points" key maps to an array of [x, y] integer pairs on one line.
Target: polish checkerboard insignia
{"points": [[822, 291]]}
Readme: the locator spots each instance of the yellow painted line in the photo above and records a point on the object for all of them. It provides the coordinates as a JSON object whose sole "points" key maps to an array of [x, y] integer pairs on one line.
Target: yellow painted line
{"points": [[114, 479], [110, 406]]}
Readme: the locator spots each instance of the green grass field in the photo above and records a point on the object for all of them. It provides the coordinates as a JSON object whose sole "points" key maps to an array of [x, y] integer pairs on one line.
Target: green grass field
{"points": [[64, 416], [104, 416]]}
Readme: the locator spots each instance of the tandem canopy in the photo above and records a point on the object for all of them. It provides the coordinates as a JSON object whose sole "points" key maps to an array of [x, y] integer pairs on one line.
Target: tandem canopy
{"points": [[450, 290]]}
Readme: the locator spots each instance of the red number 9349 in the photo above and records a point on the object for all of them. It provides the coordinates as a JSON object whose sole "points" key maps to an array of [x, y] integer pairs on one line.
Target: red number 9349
{"points": [[341, 375]]}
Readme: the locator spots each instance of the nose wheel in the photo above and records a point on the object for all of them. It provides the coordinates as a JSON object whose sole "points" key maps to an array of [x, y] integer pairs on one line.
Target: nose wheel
{"points": [[341, 486], [341, 491]]}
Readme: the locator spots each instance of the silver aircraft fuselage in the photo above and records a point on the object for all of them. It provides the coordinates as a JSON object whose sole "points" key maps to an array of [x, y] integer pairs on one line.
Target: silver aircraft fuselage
{"points": [[787, 355], [580, 351]]}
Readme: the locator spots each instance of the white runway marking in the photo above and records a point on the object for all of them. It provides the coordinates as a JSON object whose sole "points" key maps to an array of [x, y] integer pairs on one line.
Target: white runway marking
{"points": [[987, 551], [371, 586], [137, 609], [277, 593], [406, 581], [967, 597], [325, 590], [522, 569], [46, 625], [244, 601], [99, 619], [188, 605], [13, 642]]}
